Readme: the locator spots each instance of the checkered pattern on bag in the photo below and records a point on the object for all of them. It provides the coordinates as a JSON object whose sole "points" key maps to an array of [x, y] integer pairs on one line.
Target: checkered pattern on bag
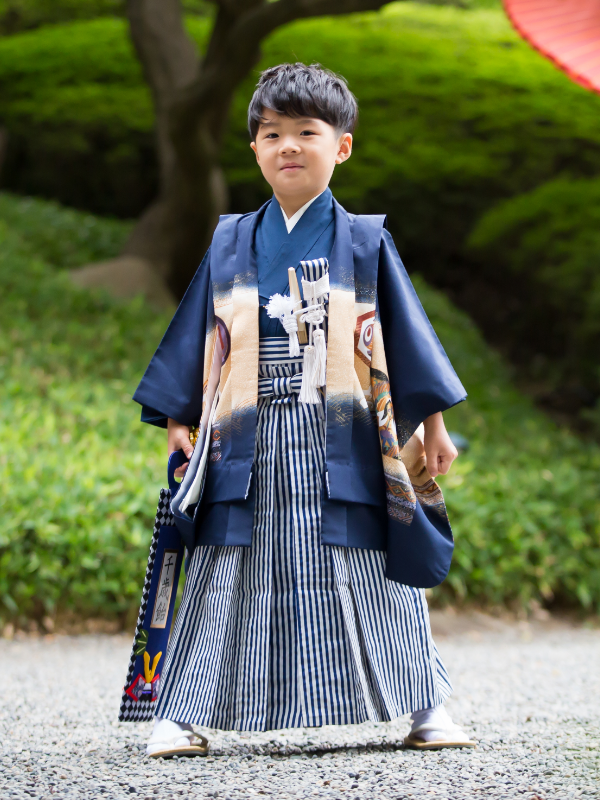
{"points": [[143, 710]]}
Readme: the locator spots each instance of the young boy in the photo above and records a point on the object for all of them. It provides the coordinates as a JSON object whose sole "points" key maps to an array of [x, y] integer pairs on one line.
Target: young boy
{"points": [[316, 488]]}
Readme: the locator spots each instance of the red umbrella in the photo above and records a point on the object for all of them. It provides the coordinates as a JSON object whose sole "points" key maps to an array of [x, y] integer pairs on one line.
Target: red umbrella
{"points": [[566, 31]]}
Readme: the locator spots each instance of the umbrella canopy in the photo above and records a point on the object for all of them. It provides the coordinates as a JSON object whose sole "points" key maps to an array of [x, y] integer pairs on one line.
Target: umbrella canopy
{"points": [[566, 31]]}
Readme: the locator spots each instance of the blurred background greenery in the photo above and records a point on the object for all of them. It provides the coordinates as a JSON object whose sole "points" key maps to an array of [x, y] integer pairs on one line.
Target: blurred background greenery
{"points": [[486, 160]]}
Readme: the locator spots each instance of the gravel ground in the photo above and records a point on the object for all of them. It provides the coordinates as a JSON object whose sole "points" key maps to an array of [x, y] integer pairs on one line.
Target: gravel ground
{"points": [[530, 694]]}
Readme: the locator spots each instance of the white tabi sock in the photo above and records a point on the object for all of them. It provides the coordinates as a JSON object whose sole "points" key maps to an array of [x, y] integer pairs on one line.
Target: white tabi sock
{"points": [[164, 735], [438, 716]]}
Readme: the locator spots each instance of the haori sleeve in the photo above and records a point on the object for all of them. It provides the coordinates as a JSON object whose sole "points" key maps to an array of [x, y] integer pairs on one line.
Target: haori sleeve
{"points": [[172, 383], [422, 379]]}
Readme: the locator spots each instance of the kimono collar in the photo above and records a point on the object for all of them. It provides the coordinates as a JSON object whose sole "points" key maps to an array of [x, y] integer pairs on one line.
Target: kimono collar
{"points": [[280, 246], [290, 222]]}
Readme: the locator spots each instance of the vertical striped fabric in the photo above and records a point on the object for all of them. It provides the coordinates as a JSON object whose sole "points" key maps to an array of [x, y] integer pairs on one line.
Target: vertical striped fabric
{"points": [[287, 633], [315, 269]]}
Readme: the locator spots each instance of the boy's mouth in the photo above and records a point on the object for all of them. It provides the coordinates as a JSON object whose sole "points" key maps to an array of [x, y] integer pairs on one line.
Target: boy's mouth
{"points": [[291, 167]]}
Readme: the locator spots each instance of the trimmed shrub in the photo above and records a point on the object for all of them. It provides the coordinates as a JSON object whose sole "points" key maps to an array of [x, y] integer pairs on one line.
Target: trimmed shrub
{"points": [[20, 15], [523, 500], [549, 241], [456, 112], [79, 117], [62, 237]]}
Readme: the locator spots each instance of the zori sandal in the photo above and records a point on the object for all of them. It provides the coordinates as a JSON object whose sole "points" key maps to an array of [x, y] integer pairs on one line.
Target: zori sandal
{"points": [[453, 735], [168, 748]]}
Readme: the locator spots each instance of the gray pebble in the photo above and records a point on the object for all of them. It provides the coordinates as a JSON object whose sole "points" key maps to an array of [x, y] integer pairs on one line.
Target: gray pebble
{"points": [[533, 705]]}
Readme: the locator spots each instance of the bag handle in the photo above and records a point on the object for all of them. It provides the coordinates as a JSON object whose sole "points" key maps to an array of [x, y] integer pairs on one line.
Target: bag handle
{"points": [[177, 459]]}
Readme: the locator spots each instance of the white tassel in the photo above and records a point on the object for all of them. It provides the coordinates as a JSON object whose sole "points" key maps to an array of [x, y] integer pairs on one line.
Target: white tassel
{"points": [[291, 328], [315, 354], [308, 390], [281, 307], [320, 357]]}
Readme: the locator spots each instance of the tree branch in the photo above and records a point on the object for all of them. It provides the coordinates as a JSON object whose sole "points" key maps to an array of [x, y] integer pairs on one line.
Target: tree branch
{"points": [[222, 74], [168, 56], [260, 22]]}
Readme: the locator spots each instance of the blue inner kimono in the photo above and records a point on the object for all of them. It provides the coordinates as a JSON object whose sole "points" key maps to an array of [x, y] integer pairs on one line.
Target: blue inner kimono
{"points": [[276, 250]]}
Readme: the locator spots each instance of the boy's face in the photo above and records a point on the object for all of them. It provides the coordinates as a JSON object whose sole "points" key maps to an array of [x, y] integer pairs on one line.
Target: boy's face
{"points": [[297, 156]]}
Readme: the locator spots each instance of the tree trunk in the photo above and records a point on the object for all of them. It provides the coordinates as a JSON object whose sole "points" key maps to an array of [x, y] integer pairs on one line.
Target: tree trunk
{"points": [[192, 98], [175, 230]]}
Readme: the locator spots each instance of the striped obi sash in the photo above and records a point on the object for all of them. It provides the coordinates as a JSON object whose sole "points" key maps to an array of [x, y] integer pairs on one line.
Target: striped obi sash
{"points": [[279, 375]]}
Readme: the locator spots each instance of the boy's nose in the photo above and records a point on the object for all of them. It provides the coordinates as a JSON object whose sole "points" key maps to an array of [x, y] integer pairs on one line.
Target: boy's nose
{"points": [[289, 147]]}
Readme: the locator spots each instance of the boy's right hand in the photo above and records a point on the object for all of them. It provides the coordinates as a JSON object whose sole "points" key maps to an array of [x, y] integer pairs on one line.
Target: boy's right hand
{"points": [[178, 438]]}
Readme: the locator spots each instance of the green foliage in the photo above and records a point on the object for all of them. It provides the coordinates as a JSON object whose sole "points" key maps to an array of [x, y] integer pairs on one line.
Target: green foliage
{"points": [[60, 236], [79, 116], [551, 234], [549, 238], [455, 113], [19, 15], [454, 107], [80, 471], [523, 500], [81, 474]]}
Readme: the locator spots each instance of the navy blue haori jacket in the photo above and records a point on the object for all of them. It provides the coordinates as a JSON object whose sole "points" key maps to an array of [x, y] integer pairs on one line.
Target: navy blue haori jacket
{"points": [[386, 373]]}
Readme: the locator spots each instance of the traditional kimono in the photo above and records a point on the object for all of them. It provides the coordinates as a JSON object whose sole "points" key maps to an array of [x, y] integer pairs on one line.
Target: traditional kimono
{"points": [[288, 618]]}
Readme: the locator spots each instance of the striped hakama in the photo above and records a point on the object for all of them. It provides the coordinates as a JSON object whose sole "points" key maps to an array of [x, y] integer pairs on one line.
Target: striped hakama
{"points": [[290, 633]]}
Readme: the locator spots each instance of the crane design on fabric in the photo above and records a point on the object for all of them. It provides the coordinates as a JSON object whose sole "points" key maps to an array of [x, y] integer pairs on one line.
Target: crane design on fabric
{"points": [[288, 309]]}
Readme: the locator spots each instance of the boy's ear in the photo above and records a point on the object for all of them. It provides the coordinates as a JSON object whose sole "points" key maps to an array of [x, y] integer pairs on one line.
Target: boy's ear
{"points": [[253, 146], [344, 148]]}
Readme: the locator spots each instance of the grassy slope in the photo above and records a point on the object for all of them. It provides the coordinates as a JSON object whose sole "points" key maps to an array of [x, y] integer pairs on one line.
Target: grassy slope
{"points": [[81, 474], [524, 499]]}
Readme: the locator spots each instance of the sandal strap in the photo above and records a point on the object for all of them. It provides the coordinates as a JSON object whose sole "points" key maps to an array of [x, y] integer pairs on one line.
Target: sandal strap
{"points": [[203, 739]]}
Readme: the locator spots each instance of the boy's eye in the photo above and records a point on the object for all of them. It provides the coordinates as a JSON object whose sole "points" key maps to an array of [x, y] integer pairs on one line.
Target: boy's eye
{"points": [[307, 133], [269, 135]]}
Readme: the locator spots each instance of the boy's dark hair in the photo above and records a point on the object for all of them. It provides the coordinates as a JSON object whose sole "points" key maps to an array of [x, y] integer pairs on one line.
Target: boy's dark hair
{"points": [[296, 90]]}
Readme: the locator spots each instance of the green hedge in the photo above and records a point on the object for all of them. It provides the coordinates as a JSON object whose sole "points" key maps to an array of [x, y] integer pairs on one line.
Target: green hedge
{"points": [[457, 116], [549, 239], [19, 15], [524, 500], [79, 117], [79, 470], [62, 237], [81, 474]]}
